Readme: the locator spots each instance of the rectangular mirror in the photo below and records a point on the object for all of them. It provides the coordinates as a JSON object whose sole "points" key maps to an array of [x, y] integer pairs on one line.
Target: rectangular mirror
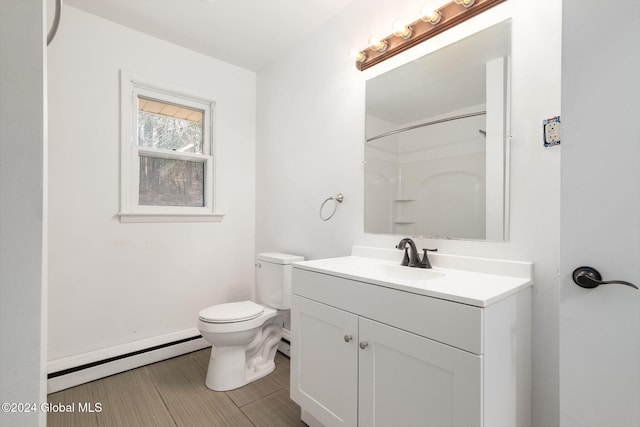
{"points": [[436, 142]]}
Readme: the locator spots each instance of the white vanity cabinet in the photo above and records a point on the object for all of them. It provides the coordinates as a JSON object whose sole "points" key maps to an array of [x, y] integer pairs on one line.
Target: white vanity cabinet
{"points": [[326, 361], [369, 355], [354, 371], [409, 380]]}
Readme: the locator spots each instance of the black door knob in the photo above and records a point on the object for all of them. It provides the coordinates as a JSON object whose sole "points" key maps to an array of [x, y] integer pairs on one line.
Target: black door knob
{"points": [[589, 277]]}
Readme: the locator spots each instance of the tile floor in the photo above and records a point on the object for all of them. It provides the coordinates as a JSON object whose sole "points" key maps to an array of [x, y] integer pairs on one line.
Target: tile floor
{"points": [[173, 393]]}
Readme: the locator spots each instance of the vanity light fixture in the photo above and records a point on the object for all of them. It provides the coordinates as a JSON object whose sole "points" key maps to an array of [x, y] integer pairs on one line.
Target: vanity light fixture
{"points": [[431, 23]]}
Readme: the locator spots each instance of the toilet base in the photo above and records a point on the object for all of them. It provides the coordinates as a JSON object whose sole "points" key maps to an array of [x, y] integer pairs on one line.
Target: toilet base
{"points": [[232, 367], [226, 368], [260, 371]]}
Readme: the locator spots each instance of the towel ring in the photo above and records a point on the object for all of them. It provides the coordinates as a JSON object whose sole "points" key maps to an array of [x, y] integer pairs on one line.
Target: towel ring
{"points": [[338, 198]]}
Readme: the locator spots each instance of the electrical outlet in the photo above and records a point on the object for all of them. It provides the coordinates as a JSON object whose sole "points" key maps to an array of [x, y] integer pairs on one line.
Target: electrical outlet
{"points": [[551, 131]]}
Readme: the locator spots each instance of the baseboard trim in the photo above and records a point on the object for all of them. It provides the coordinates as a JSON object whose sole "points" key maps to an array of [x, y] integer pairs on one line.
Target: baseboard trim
{"points": [[123, 358]]}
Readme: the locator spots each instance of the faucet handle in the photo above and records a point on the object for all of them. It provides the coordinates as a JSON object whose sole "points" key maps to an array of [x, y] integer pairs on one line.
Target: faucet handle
{"points": [[425, 259]]}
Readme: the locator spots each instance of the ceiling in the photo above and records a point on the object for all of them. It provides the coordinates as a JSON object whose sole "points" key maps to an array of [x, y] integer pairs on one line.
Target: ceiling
{"points": [[246, 33]]}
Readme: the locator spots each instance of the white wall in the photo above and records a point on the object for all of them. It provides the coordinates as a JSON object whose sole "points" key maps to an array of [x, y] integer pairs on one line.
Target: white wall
{"points": [[115, 283], [310, 145], [23, 213]]}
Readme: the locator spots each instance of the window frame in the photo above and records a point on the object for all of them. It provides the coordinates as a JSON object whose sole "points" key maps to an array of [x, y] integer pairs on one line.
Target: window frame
{"points": [[131, 86]]}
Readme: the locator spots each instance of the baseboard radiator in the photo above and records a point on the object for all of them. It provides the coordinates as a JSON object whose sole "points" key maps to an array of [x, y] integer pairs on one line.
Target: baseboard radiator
{"points": [[284, 346], [72, 371]]}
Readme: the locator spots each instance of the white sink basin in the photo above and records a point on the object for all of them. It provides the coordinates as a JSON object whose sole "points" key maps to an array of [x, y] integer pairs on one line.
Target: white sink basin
{"points": [[398, 272]]}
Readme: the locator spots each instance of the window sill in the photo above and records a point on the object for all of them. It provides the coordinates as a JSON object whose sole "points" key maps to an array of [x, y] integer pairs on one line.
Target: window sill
{"points": [[173, 217]]}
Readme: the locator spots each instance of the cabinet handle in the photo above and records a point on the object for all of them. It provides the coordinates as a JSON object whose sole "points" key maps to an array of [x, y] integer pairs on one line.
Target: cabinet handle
{"points": [[347, 338], [363, 344]]}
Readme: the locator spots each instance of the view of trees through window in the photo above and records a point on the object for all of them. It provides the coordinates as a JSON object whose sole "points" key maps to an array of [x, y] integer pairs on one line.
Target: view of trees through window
{"points": [[169, 182], [170, 128], [169, 133]]}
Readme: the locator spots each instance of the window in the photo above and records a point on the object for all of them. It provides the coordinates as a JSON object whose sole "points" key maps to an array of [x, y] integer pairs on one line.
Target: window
{"points": [[167, 157]]}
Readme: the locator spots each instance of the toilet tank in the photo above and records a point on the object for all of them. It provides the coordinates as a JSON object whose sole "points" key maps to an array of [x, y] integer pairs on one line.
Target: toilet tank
{"points": [[273, 279]]}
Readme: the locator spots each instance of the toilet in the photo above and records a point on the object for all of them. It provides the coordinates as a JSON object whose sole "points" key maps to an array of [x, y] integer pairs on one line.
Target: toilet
{"points": [[245, 335]]}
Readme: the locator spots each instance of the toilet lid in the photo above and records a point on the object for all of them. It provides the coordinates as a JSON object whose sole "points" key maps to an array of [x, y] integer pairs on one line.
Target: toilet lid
{"points": [[231, 312]]}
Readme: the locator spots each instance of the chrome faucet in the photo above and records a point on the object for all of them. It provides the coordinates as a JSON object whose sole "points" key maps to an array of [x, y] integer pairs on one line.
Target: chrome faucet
{"points": [[411, 257]]}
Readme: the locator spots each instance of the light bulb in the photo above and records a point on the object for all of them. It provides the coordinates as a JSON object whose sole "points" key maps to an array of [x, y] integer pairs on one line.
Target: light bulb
{"points": [[431, 14], [358, 55], [401, 29], [465, 3], [378, 43]]}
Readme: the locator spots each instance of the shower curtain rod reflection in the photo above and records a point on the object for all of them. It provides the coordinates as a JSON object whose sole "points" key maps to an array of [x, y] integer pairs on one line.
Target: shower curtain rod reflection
{"points": [[434, 122]]}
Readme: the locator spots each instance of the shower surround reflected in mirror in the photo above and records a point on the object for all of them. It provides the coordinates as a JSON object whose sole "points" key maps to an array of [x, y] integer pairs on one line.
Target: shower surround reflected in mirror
{"points": [[436, 142]]}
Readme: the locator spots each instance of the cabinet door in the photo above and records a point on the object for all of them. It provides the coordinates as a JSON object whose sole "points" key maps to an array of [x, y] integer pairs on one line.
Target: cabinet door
{"points": [[324, 362], [408, 380]]}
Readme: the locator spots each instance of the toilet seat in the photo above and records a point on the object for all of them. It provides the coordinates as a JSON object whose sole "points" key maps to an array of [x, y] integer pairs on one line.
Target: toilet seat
{"points": [[231, 312], [206, 326]]}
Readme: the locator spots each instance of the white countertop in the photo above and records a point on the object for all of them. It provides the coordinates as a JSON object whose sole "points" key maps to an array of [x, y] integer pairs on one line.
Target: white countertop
{"points": [[479, 289]]}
